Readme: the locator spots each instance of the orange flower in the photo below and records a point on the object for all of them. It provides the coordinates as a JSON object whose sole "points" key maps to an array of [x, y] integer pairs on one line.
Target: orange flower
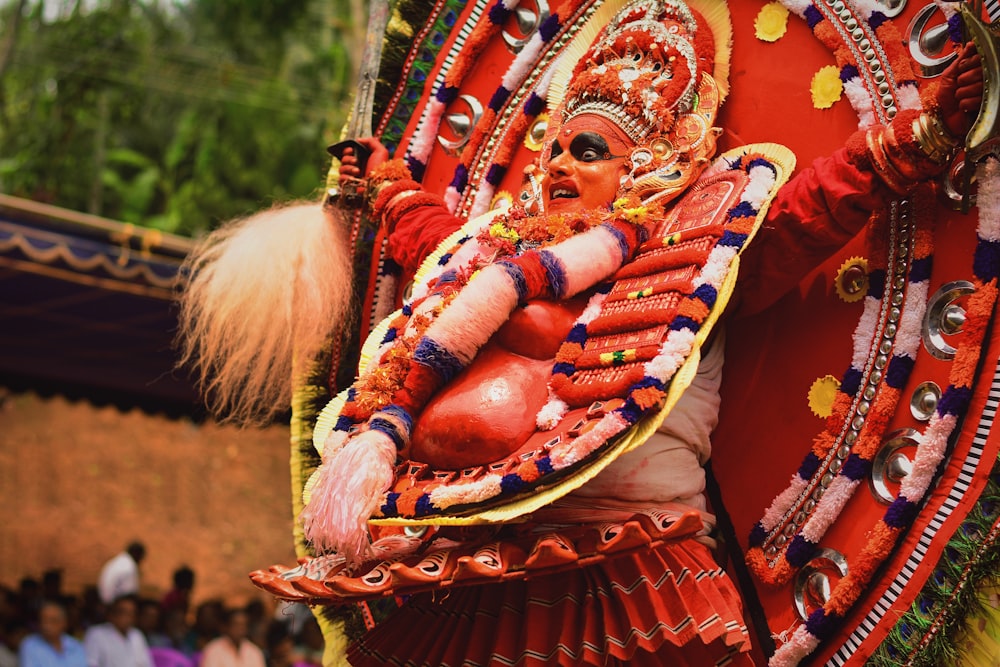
{"points": [[568, 353], [528, 471], [693, 308], [648, 397]]}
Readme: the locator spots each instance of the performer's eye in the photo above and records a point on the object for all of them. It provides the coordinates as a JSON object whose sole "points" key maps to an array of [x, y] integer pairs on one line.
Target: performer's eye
{"points": [[557, 150], [590, 147]]}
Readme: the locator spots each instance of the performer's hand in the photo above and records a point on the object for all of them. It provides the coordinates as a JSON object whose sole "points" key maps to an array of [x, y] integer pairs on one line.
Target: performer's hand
{"points": [[349, 163], [961, 92]]}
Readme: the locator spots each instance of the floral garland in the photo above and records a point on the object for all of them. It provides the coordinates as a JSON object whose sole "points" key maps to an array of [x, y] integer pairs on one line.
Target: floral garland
{"points": [[644, 396], [954, 401], [860, 413], [432, 340]]}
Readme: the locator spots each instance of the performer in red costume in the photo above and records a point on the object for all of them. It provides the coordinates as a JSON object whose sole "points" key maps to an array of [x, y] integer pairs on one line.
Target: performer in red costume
{"points": [[671, 605], [499, 327]]}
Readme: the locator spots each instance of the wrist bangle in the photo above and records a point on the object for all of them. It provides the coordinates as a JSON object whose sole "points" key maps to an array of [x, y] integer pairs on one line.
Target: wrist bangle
{"points": [[883, 166], [935, 141]]}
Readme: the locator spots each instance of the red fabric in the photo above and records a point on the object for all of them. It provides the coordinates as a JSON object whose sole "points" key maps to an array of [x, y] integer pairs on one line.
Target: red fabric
{"points": [[416, 234], [814, 215], [639, 608]]}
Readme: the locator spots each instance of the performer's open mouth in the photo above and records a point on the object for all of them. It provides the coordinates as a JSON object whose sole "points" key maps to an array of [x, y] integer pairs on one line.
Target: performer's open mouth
{"points": [[564, 193]]}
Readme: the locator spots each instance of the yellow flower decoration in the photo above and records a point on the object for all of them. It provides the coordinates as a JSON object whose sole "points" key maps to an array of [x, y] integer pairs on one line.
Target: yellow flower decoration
{"points": [[635, 215], [771, 22], [499, 231], [822, 394], [826, 87]]}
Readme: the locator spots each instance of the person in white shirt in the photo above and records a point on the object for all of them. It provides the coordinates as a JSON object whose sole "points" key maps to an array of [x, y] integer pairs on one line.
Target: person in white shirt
{"points": [[120, 575], [232, 649], [117, 643]]}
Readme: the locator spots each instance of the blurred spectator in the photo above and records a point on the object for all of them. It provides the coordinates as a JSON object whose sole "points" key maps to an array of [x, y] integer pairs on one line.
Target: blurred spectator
{"points": [[12, 634], [174, 634], [52, 581], [29, 600], [232, 649], [117, 643], [280, 646], [257, 621], [148, 622], [207, 623], [309, 648], [51, 646], [179, 597], [120, 575], [91, 608], [294, 614]]}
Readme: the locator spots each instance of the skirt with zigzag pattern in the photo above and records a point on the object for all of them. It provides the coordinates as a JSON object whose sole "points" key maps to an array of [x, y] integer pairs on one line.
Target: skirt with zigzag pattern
{"points": [[669, 606]]}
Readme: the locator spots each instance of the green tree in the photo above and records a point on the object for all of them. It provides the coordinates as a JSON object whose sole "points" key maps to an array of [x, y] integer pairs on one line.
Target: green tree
{"points": [[175, 116]]}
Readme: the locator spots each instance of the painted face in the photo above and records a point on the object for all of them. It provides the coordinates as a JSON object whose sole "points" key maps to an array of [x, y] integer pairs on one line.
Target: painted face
{"points": [[586, 165]]}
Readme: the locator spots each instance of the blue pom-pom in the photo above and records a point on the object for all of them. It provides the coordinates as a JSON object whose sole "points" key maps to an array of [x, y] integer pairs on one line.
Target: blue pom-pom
{"points": [[706, 294], [851, 382], [954, 401], [856, 468], [495, 174], [800, 551], [424, 506], [757, 535], [901, 513], [511, 483], [810, 464], [812, 16], [920, 270], [498, 13], [535, 105], [446, 94], [563, 368], [898, 372], [578, 334], [549, 28], [389, 507], [461, 177], [986, 261], [877, 19], [498, 99]]}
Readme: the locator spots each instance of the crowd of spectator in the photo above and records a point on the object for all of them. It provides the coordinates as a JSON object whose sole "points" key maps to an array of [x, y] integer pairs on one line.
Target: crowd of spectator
{"points": [[110, 625]]}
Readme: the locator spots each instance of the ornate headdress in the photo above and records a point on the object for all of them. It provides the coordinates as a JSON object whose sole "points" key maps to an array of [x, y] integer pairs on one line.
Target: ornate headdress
{"points": [[657, 69]]}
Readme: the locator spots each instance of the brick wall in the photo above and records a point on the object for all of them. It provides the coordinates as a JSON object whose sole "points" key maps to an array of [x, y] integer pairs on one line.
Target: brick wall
{"points": [[77, 482]]}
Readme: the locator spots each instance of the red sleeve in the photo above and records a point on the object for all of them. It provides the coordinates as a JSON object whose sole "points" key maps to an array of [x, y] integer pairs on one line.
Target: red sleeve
{"points": [[416, 233], [813, 216]]}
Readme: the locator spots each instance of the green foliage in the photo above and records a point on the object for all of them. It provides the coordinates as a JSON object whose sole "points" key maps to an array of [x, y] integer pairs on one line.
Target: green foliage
{"points": [[171, 115]]}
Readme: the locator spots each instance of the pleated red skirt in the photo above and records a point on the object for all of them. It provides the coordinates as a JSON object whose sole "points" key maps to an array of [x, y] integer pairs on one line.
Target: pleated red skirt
{"points": [[671, 606]]}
